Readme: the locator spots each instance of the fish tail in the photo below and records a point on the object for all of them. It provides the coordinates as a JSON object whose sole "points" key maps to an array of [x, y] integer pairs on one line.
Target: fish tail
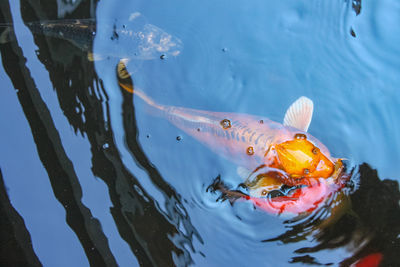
{"points": [[126, 83], [148, 100]]}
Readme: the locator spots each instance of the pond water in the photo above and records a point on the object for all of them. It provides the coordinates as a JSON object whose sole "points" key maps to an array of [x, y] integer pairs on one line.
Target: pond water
{"points": [[91, 177]]}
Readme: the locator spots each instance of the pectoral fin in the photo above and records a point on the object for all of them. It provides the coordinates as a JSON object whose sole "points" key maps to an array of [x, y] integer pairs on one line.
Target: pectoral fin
{"points": [[299, 114]]}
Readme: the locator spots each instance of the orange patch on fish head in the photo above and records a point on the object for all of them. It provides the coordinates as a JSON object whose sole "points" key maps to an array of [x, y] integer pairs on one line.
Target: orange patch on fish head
{"points": [[300, 158]]}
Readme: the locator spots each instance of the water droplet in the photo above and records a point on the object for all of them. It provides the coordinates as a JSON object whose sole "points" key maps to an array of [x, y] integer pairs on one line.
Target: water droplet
{"points": [[250, 151], [226, 124], [306, 171], [300, 136], [163, 56], [261, 121], [106, 145], [179, 138]]}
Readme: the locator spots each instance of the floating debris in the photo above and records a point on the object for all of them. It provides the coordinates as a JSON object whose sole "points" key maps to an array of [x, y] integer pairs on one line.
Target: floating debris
{"points": [[352, 33]]}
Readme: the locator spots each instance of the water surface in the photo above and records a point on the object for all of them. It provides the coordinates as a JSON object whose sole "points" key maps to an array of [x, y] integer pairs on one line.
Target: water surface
{"points": [[92, 178]]}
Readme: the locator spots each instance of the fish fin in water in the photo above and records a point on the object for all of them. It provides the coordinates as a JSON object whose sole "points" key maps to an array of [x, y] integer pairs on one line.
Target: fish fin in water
{"points": [[122, 70], [125, 81], [299, 114]]}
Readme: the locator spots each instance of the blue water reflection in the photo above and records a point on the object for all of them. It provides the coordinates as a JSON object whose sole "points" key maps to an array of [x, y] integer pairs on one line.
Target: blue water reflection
{"points": [[104, 182]]}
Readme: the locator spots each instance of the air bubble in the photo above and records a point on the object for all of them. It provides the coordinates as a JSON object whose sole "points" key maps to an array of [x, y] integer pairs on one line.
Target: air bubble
{"points": [[163, 56], [226, 124], [106, 145], [250, 151], [179, 138]]}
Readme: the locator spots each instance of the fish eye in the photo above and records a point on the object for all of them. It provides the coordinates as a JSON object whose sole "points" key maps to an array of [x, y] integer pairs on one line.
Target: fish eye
{"points": [[306, 171], [264, 192], [315, 151]]}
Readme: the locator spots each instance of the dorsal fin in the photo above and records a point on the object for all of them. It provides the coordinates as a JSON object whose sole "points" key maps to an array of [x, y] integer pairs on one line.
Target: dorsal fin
{"points": [[299, 114]]}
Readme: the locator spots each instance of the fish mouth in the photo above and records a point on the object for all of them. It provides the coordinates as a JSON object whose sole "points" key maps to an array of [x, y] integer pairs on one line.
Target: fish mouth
{"points": [[268, 182]]}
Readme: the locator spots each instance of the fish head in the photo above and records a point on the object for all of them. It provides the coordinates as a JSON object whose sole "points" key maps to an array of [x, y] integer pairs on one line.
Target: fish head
{"points": [[301, 158]]}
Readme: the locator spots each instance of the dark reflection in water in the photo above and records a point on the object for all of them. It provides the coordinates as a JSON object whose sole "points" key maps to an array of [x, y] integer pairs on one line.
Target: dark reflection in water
{"points": [[152, 235], [61, 173], [16, 245]]}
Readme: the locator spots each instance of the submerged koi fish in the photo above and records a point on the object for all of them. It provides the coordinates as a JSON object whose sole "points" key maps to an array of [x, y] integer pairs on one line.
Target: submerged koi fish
{"points": [[285, 152], [140, 39]]}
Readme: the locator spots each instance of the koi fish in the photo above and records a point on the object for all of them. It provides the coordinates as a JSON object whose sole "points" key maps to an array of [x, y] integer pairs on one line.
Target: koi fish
{"points": [[143, 40], [285, 152]]}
